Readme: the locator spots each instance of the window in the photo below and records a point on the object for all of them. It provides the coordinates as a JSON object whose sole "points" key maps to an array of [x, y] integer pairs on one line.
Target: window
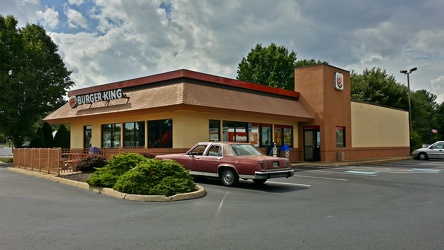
{"points": [[160, 133], [87, 134], [214, 130], [235, 131], [340, 137], [134, 134], [111, 135], [215, 150], [278, 135], [198, 150], [265, 135], [288, 135], [283, 135]]}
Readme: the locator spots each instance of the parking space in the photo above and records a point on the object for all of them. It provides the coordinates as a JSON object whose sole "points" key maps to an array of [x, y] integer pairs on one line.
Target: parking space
{"points": [[346, 172]]}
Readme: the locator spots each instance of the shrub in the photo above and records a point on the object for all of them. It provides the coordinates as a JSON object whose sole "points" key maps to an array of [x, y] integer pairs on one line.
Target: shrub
{"points": [[116, 166], [91, 163], [156, 177]]}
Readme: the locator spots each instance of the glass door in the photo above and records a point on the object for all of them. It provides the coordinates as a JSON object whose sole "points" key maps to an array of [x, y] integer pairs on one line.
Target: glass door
{"points": [[312, 143]]}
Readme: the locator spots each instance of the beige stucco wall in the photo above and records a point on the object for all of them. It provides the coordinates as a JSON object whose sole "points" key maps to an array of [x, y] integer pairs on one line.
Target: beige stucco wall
{"points": [[375, 126], [189, 127]]}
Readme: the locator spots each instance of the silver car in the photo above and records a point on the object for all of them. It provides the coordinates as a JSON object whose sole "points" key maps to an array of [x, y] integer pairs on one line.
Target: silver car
{"points": [[436, 150]]}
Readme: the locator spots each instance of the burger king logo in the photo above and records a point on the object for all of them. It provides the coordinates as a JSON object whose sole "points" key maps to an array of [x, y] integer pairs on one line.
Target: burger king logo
{"points": [[73, 102], [339, 81]]}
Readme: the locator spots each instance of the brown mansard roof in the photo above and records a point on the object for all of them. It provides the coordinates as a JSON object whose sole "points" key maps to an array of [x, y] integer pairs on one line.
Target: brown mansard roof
{"points": [[197, 93]]}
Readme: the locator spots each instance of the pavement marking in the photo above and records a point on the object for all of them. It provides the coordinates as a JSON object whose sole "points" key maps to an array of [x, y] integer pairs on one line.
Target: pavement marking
{"points": [[367, 173], [291, 184], [322, 178], [219, 208], [427, 170], [330, 172]]}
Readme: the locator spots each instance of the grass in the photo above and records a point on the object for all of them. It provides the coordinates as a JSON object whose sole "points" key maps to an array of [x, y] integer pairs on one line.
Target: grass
{"points": [[6, 160]]}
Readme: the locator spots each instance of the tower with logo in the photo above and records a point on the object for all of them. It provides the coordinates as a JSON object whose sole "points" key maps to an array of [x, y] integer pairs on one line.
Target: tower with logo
{"points": [[325, 93]]}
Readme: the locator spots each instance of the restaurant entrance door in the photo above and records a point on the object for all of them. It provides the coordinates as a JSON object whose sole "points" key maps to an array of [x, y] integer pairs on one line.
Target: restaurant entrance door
{"points": [[312, 143]]}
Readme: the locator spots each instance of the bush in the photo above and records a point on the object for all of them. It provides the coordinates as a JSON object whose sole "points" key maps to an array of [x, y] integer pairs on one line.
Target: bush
{"points": [[156, 177], [115, 167], [91, 163]]}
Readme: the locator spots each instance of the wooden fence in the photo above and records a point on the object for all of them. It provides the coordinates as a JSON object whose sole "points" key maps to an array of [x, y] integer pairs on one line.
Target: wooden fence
{"points": [[59, 161], [46, 160]]}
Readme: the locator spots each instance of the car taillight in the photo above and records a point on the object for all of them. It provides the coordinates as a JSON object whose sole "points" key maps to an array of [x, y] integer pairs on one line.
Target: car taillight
{"points": [[262, 165]]}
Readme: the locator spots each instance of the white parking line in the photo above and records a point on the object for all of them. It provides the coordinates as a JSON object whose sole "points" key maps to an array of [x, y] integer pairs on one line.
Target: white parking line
{"points": [[322, 178], [291, 184]]}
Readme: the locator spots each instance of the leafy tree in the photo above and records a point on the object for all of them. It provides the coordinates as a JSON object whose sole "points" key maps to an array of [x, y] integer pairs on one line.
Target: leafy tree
{"points": [[424, 110], [308, 62], [33, 77], [37, 141], [272, 66], [48, 139], [62, 137], [377, 87], [440, 122]]}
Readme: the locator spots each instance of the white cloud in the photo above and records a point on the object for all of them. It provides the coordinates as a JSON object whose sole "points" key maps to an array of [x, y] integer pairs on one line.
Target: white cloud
{"points": [[50, 17], [438, 87], [128, 39], [76, 19], [75, 2]]}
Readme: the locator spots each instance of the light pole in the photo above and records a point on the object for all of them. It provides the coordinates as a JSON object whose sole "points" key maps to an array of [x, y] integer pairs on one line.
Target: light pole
{"points": [[408, 94]]}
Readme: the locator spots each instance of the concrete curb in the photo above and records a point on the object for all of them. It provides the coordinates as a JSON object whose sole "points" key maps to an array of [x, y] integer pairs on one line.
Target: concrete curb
{"points": [[200, 191]]}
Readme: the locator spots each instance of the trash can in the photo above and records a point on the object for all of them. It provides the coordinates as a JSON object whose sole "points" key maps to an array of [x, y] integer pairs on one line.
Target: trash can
{"points": [[94, 150], [284, 151]]}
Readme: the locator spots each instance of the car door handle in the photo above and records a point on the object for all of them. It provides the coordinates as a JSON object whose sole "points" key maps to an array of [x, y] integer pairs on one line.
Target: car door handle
{"points": [[197, 158]]}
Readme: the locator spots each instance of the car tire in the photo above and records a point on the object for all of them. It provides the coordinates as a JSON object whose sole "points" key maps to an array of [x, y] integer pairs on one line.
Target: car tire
{"points": [[423, 156], [259, 181], [229, 177]]}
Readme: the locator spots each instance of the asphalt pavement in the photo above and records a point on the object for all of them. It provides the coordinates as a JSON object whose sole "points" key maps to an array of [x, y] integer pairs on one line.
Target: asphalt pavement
{"points": [[5, 152], [391, 205]]}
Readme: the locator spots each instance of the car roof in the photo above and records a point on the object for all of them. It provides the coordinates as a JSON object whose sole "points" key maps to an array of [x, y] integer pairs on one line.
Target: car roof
{"points": [[224, 142]]}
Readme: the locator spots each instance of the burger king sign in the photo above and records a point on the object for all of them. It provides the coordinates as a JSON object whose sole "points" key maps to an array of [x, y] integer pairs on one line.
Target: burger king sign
{"points": [[339, 81]]}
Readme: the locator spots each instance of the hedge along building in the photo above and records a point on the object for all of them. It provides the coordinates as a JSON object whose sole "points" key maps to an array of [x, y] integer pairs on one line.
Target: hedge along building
{"points": [[170, 112]]}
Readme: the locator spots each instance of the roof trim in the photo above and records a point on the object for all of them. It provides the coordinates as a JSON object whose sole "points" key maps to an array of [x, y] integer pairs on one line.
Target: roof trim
{"points": [[183, 73]]}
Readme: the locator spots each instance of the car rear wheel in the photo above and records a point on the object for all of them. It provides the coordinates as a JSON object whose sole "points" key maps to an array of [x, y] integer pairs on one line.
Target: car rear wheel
{"points": [[259, 181], [422, 156], [229, 177]]}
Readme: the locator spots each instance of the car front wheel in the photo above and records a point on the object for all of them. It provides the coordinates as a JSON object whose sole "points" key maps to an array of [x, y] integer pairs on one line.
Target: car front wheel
{"points": [[422, 156], [229, 177]]}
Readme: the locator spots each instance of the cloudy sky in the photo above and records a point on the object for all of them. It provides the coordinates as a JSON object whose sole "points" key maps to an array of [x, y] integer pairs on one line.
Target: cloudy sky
{"points": [[104, 41]]}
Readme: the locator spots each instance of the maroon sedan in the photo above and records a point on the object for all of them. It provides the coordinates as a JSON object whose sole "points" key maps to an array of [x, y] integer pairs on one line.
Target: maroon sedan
{"points": [[230, 161]]}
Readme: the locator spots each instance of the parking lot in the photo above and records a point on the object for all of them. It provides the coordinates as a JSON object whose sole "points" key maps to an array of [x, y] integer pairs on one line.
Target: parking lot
{"points": [[387, 206]]}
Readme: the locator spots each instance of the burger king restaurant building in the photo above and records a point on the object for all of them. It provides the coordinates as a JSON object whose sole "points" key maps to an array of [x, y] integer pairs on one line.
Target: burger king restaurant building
{"points": [[170, 112]]}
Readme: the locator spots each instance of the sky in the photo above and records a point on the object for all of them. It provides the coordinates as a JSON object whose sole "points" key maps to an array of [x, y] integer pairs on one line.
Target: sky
{"points": [[103, 41]]}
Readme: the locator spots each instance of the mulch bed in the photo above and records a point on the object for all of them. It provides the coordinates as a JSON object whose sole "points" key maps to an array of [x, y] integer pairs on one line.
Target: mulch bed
{"points": [[77, 176]]}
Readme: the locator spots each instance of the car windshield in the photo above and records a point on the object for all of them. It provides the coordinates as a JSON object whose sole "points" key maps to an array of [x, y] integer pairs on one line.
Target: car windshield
{"points": [[245, 150]]}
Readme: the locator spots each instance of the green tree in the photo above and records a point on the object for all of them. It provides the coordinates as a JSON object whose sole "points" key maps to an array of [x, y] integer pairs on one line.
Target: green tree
{"points": [[33, 77], [440, 122], [424, 114], [48, 139], [272, 66], [377, 87], [38, 140], [62, 137]]}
